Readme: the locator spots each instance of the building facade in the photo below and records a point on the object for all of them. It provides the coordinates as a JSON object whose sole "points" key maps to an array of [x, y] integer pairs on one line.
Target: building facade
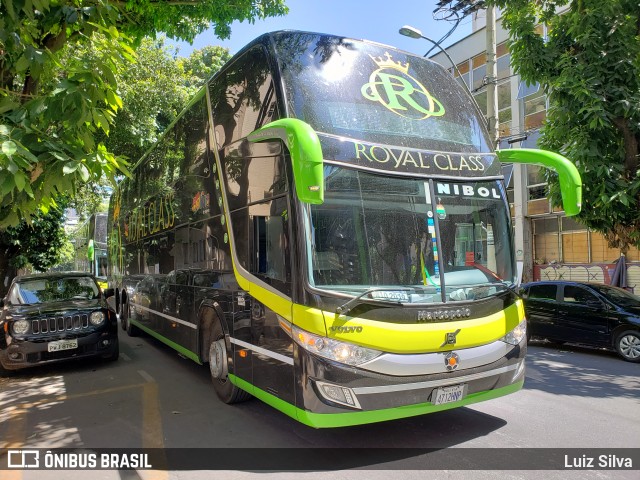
{"points": [[549, 245]]}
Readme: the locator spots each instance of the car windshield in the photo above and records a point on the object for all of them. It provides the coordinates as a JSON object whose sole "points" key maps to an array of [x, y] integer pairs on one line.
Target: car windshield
{"points": [[442, 240], [54, 289], [619, 296]]}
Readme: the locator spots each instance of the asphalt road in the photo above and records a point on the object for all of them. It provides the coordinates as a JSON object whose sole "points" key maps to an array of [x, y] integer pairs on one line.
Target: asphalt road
{"points": [[152, 398]]}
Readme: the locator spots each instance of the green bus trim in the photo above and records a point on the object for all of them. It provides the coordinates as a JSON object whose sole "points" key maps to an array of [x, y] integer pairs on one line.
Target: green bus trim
{"points": [[570, 180], [306, 155], [179, 348], [328, 420]]}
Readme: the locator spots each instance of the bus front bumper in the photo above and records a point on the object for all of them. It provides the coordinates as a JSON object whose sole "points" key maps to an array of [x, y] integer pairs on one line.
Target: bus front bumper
{"points": [[338, 395], [376, 397]]}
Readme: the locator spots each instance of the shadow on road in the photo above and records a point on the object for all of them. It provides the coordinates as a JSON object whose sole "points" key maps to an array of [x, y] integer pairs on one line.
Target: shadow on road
{"points": [[93, 404], [259, 434], [580, 371]]}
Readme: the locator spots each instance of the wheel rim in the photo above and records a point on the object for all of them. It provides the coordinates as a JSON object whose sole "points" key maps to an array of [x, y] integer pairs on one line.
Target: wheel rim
{"points": [[218, 360], [630, 346]]}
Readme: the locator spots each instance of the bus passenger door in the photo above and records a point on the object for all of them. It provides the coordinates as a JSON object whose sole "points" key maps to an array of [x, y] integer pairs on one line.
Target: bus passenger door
{"points": [[269, 234]]}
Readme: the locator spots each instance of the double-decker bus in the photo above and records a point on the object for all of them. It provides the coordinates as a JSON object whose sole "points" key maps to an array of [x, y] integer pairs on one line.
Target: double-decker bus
{"points": [[326, 226], [90, 247]]}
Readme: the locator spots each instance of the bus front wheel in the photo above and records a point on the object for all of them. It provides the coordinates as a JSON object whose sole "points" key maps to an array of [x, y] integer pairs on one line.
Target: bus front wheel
{"points": [[131, 329], [219, 368], [124, 315]]}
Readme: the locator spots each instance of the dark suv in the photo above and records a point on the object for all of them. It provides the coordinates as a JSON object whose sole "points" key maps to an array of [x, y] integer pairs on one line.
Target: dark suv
{"points": [[586, 313], [52, 317]]}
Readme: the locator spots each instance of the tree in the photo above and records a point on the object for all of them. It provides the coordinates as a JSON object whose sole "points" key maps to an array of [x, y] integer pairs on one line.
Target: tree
{"points": [[154, 90], [37, 243], [203, 63], [50, 113], [590, 69]]}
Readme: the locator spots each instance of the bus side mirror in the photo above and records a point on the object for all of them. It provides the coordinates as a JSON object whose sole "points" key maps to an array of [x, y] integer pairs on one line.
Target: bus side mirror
{"points": [[306, 155], [570, 181], [108, 292]]}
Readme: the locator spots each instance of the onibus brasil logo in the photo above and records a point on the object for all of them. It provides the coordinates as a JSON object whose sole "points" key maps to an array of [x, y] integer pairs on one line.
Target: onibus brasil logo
{"points": [[392, 86]]}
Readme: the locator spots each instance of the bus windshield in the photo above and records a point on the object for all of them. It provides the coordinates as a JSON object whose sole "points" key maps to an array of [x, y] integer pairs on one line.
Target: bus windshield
{"points": [[372, 93], [448, 241]]}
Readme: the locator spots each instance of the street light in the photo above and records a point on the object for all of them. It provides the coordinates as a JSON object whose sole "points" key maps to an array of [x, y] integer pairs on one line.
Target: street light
{"points": [[412, 32]]}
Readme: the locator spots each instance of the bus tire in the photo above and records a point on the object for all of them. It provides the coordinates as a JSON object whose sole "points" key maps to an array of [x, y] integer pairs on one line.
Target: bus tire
{"points": [[132, 330], [219, 367], [117, 300], [124, 316], [628, 345]]}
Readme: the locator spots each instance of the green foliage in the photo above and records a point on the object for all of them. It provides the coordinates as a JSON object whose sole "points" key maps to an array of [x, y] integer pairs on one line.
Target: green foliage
{"points": [[56, 108], [184, 19], [202, 64], [154, 90], [91, 197], [590, 68], [66, 256], [38, 242], [47, 130]]}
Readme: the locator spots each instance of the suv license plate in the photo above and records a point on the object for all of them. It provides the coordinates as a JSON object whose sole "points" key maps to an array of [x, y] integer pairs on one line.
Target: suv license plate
{"points": [[448, 394], [62, 345]]}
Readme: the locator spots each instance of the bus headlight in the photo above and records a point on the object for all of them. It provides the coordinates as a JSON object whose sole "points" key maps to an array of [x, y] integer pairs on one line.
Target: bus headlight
{"points": [[515, 336], [20, 327], [96, 318], [342, 352]]}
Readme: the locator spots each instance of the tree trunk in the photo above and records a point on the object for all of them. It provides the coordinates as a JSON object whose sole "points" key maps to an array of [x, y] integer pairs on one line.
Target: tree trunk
{"points": [[630, 147]]}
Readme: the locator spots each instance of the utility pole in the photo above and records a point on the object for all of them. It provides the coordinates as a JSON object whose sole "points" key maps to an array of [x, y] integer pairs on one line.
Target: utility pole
{"points": [[492, 76]]}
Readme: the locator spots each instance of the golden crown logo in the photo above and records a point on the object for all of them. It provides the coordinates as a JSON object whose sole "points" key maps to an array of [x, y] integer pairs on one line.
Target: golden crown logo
{"points": [[400, 92], [389, 63]]}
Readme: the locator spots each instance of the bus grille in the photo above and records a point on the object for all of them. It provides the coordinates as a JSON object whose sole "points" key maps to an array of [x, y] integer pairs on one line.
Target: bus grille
{"points": [[60, 324]]}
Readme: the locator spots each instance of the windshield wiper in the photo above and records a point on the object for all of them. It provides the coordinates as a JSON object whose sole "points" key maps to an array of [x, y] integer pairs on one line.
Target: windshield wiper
{"points": [[350, 304], [502, 283]]}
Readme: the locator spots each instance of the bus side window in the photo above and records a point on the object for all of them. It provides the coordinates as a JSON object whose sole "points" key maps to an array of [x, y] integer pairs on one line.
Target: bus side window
{"points": [[270, 239], [242, 97]]}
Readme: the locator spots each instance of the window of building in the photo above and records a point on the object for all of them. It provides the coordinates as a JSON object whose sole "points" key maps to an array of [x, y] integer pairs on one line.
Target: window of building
{"points": [[526, 90], [504, 67], [564, 240], [504, 108], [546, 245], [575, 241], [535, 109], [536, 183], [479, 75]]}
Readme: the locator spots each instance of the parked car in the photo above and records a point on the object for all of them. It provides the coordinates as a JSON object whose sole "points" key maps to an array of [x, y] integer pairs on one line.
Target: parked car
{"points": [[48, 318], [585, 313]]}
